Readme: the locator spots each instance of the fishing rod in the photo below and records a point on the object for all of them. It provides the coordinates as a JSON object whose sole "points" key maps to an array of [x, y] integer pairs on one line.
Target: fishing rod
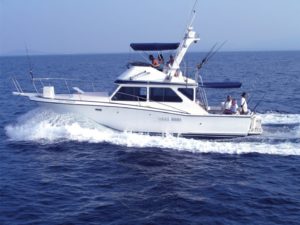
{"points": [[218, 49], [204, 60], [249, 97], [210, 54], [258, 103]]}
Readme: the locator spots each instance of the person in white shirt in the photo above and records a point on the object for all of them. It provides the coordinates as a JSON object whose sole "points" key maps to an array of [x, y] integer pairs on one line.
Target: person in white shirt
{"points": [[244, 106], [234, 107], [227, 105]]}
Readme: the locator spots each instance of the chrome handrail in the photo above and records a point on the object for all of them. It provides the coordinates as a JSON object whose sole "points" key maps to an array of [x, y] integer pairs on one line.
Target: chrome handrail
{"points": [[56, 78], [202, 90], [41, 79], [66, 81]]}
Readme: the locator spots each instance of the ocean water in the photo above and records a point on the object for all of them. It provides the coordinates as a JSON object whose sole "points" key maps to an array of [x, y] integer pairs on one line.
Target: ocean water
{"points": [[65, 169]]}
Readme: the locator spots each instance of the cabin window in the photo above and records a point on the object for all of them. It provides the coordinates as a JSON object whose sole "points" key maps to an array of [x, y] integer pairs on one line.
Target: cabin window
{"points": [[188, 92], [164, 95], [131, 94]]}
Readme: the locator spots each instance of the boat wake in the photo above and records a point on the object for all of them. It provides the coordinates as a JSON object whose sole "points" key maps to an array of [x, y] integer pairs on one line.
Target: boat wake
{"points": [[281, 134]]}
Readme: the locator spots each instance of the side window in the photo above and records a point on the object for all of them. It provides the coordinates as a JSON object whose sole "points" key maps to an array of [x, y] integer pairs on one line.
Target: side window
{"points": [[131, 94], [188, 92], [164, 95]]}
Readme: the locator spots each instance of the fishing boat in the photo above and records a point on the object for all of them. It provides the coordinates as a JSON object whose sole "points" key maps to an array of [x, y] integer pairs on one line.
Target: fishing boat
{"points": [[150, 100]]}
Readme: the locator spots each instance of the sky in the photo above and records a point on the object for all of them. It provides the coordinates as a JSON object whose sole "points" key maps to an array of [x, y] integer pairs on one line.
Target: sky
{"points": [[109, 26]]}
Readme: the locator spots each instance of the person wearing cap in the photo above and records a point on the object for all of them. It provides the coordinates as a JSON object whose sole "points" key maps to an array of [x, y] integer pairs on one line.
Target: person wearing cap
{"points": [[244, 106]]}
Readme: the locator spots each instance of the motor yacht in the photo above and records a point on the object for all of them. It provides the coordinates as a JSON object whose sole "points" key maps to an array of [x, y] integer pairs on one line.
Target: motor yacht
{"points": [[149, 99]]}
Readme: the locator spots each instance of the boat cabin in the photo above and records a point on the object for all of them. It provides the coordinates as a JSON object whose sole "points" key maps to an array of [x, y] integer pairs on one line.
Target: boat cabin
{"points": [[146, 85]]}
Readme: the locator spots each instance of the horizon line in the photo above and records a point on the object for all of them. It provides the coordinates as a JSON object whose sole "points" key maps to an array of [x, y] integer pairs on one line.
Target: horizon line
{"points": [[131, 52]]}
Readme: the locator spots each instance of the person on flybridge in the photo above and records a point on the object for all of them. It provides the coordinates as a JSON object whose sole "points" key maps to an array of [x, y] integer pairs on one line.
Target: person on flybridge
{"points": [[159, 63], [171, 61], [154, 61], [161, 60]]}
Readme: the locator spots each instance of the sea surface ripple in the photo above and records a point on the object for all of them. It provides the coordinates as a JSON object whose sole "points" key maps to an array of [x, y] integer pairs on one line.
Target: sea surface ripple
{"points": [[65, 169]]}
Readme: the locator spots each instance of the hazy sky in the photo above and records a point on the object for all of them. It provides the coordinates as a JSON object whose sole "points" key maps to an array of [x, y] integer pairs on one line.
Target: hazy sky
{"points": [[100, 26]]}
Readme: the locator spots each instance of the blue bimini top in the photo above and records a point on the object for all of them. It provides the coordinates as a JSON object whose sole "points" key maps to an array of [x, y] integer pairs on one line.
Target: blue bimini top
{"points": [[154, 46]]}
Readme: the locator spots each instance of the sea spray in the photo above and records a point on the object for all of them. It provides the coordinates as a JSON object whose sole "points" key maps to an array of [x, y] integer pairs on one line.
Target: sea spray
{"points": [[44, 126]]}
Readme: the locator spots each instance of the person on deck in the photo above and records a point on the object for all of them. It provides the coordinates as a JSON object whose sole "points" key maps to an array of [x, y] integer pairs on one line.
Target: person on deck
{"points": [[234, 107], [227, 105], [244, 106], [154, 61]]}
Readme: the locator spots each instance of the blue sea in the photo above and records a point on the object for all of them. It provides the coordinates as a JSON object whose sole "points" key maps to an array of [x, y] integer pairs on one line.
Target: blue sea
{"points": [[65, 169]]}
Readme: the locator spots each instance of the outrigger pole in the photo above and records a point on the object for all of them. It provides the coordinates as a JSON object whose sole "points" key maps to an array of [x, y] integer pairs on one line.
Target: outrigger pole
{"points": [[30, 68], [29, 62]]}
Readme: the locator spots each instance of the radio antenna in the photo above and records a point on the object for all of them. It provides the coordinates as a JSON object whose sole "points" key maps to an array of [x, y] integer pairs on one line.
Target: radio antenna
{"points": [[193, 14]]}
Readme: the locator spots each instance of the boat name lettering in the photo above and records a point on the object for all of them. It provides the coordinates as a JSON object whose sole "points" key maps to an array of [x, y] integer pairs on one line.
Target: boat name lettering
{"points": [[172, 119]]}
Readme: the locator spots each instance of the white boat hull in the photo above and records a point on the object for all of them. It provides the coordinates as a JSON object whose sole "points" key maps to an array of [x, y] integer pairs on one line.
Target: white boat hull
{"points": [[148, 120]]}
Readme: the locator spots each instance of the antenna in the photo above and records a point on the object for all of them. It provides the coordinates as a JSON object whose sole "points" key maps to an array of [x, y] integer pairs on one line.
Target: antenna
{"points": [[192, 17], [190, 36], [193, 14]]}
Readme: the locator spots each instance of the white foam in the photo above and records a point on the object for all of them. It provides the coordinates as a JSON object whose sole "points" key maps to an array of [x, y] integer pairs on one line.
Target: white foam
{"points": [[277, 118], [48, 127]]}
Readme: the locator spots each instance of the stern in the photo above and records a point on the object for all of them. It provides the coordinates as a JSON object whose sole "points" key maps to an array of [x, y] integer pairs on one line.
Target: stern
{"points": [[255, 127]]}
